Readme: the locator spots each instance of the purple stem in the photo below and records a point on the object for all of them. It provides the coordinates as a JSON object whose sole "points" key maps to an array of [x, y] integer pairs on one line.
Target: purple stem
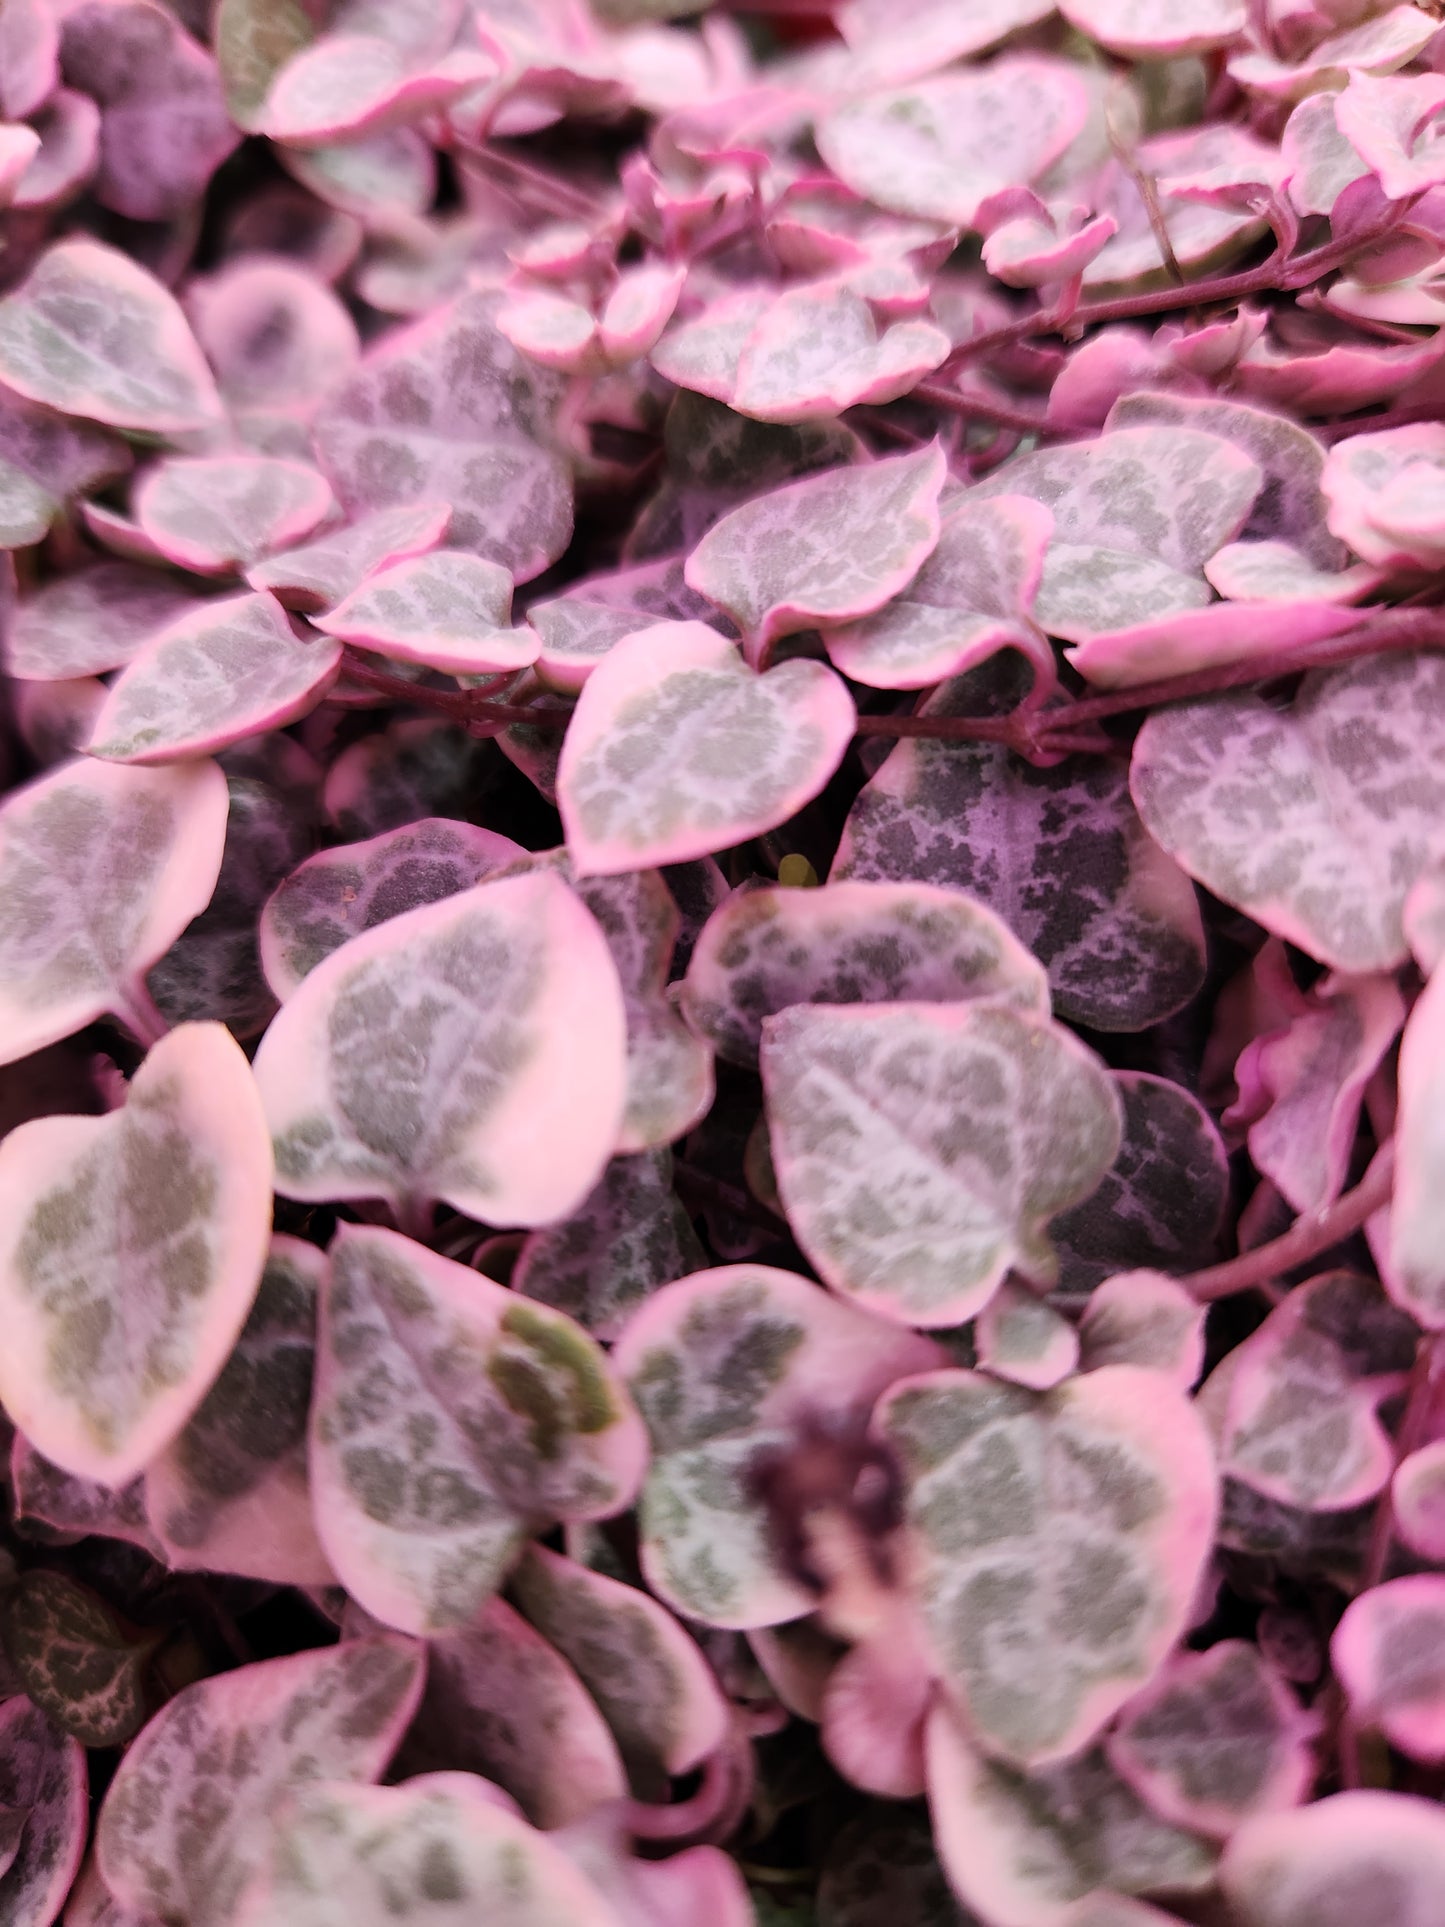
{"points": [[1306, 1238]]}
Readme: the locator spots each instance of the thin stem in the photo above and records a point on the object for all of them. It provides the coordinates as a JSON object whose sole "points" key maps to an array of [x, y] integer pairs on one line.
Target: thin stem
{"points": [[463, 705], [1306, 1238], [138, 1011]]}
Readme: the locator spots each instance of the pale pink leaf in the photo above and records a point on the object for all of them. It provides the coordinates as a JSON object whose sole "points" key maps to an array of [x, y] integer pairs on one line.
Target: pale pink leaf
{"points": [[1418, 1497], [493, 1686], [644, 777], [1059, 1538], [1386, 493], [471, 1050], [1275, 572], [1378, 45], [553, 331], [446, 410], [440, 1847], [1297, 1400], [92, 1905], [1424, 919], [900, 42], [726, 1368], [101, 869], [1203, 638], [274, 333], [817, 350], [703, 351], [101, 1376], [214, 515], [1320, 162], [211, 678], [657, 1693], [875, 1706], [1088, 591], [1416, 1269], [1354, 1858], [972, 597], [324, 572], [239, 1743], [940, 148], [1143, 1318], [29, 56], [1023, 1339], [94, 620], [1216, 166], [231, 1491], [91, 333], [43, 1777], [1388, 122], [826, 549], [337, 894], [1216, 1737], [18, 147], [347, 85], [1389, 1655], [896, 1188], [1158, 29], [498, 1414], [69, 130], [377, 178], [1061, 1847], [164, 129], [638, 309], [768, 948], [447, 609]]}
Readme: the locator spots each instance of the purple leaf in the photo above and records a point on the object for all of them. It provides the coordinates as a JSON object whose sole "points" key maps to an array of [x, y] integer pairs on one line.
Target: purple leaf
{"points": [[1215, 1738], [186, 1825], [55, 1508], [216, 515], [726, 1368], [940, 148], [470, 1050], [824, 550], [768, 948], [337, 894], [100, 871], [43, 1776], [1059, 854], [1058, 1538], [417, 766], [90, 333], [1090, 591], [917, 1153], [446, 410], [348, 85], [448, 610], [1335, 1863], [1416, 1268], [275, 335], [676, 747], [164, 129], [29, 57], [43, 460], [1389, 1655], [1034, 1849], [213, 678], [448, 1418], [106, 1359], [94, 620], [77, 1662], [1314, 819], [1143, 1318], [231, 1492]]}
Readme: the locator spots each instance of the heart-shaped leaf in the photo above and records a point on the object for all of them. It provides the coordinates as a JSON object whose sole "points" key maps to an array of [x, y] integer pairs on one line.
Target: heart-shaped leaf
{"points": [[274, 333], [817, 350], [496, 1414], [677, 748], [1216, 1737], [437, 1056], [1417, 1494], [627, 1239], [1387, 495], [1389, 1655], [579, 627], [1160, 1205], [1059, 1539], [1315, 819], [78, 1664], [43, 1777], [1020, 1337], [324, 572], [1033, 1849], [921, 1149], [1335, 1862], [442, 1844], [447, 609], [100, 871], [212, 678], [1059, 854], [132, 1247], [1156, 29], [1275, 572], [940, 148], [57, 1508], [828, 549], [657, 1693], [1143, 1318], [725, 1368], [91, 333], [971, 597], [492, 1686], [447, 410], [1088, 591], [1296, 1401], [187, 1823], [417, 766], [216, 514], [768, 948], [337, 894], [95, 620], [231, 1493], [346, 85]]}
